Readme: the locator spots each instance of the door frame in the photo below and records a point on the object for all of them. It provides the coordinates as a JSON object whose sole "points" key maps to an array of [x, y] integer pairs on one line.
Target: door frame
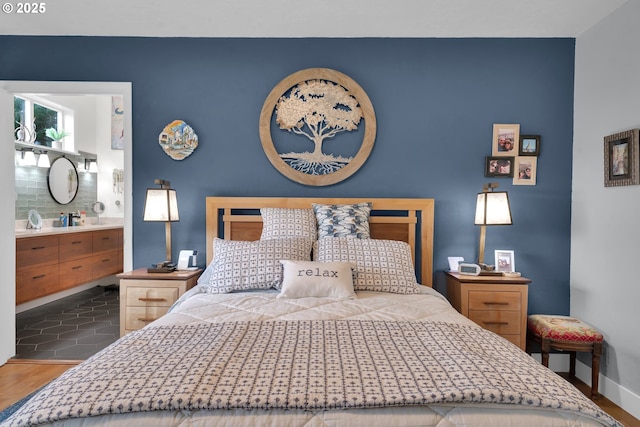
{"points": [[7, 192]]}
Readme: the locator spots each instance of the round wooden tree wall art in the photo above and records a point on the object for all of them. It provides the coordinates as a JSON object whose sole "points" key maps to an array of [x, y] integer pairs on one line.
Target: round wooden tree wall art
{"points": [[324, 123]]}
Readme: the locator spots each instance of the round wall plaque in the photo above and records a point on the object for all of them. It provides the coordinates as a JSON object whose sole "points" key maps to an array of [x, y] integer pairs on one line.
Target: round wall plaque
{"points": [[314, 111], [178, 140]]}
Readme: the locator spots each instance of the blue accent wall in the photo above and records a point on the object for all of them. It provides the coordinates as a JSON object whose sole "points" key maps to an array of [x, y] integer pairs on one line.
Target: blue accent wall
{"points": [[436, 101]]}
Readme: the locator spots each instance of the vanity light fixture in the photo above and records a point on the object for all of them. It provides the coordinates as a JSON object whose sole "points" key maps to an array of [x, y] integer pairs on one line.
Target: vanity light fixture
{"points": [[492, 208], [28, 158], [161, 205], [43, 160], [91, 165]]}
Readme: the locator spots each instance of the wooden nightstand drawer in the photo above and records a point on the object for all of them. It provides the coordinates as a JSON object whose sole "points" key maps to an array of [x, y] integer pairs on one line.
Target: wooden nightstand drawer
{"points": [[500, 322], [497, 303], [484, 300], [151, 297], [137, 317]]}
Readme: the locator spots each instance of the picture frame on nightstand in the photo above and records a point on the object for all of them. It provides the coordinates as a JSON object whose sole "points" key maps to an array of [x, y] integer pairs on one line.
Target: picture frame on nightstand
{"points": [[505, 261]]}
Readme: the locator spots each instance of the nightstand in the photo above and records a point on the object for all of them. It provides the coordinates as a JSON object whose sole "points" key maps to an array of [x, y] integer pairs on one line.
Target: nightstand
{"points": [[144, 297], [496, 303]]}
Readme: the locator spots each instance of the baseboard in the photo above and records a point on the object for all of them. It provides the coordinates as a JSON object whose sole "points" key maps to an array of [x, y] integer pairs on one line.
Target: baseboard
{"points": [[621, 396]]}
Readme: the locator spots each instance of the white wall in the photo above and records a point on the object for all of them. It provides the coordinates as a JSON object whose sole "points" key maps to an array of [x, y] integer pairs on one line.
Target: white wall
{"points": [[605, 235]]}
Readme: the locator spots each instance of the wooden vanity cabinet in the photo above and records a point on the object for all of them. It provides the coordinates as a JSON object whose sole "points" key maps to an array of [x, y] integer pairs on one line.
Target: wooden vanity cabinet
{"points": [[56, 262]]}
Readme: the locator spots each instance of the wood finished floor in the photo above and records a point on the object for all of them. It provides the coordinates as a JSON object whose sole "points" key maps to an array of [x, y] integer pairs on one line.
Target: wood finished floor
{"points": [[18, 378]]}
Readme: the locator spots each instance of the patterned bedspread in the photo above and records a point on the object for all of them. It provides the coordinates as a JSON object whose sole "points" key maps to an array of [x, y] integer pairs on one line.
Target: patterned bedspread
{"points": [[333, 364]]}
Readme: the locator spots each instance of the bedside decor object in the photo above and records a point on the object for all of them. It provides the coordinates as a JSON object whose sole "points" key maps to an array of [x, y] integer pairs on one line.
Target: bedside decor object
{"points": [[529, 145], [492, 208], [161, 205], [505, 140], [525, 172], [566, 333], [499, 166], [621, 159], [505, 261], [313, 106], [178, 140]]}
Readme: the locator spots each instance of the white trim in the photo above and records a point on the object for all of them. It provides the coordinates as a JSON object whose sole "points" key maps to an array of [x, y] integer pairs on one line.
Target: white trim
{"points": [[613, 391], [7, 262]]}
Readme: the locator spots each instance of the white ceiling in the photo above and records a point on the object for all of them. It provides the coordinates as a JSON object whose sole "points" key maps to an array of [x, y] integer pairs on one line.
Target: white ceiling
{"points": [[305, 18]]}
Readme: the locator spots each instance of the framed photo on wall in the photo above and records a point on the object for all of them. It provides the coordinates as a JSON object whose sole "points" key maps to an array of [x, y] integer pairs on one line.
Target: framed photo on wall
{"points": [[506, 139], [620, 159], [505, 261], [499, 166], [529, 145], [525, 171]]}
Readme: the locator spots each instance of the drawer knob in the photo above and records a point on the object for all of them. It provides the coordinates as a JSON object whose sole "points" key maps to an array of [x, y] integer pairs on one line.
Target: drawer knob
{"points": [[495, 303], [496, 323], [146, 320], [38, 277], [35, 248], [152, 299]]}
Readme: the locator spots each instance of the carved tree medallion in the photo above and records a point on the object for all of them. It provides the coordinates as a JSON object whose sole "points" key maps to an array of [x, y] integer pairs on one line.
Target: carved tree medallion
{"points": [[317, 126]]}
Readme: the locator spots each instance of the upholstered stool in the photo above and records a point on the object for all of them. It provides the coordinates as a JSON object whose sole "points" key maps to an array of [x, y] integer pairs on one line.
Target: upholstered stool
{"points": [[567, 334]]}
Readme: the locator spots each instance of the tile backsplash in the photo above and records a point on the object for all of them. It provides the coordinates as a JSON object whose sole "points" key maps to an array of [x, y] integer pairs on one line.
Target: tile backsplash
{"points": [[32, 192]]}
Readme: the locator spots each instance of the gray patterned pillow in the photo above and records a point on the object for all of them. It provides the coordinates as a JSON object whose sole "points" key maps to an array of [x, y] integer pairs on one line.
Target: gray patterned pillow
{"points": [[381, 265], [243, 265], [286, 222], [343, 220]]}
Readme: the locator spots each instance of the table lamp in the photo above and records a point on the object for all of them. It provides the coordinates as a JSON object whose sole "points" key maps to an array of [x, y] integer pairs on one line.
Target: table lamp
{"points": [[492, 208], [161, 205]]}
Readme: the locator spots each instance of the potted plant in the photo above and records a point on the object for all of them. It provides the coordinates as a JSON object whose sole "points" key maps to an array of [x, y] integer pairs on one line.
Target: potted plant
{"points": [[56, 135]]}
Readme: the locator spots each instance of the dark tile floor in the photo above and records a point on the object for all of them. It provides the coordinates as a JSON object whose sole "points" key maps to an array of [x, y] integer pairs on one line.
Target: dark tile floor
{"points": [[71, 328]]}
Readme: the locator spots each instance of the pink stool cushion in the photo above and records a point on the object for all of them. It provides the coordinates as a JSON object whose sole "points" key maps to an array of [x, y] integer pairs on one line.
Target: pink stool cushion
{"points": [[562, 328]]}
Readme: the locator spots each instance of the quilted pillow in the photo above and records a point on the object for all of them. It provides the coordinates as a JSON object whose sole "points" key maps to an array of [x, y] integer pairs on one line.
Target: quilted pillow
{"points": [[381, 265], [302, 279], [286, 222], [343, 220], [243, 265]]}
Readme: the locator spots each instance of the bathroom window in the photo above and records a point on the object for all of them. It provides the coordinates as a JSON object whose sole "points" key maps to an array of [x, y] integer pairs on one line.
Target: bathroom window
{"points": [[39, 114]]}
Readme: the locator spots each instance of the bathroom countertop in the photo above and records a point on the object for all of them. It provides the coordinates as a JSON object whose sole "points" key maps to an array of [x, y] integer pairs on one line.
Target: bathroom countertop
{"points": [[45, 231]]}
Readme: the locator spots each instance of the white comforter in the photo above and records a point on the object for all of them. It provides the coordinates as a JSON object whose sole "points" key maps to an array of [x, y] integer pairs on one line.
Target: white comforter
{"points": [[264, 305]]}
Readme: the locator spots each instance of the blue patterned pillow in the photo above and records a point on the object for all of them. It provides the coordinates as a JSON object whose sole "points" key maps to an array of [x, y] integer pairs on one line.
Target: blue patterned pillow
{"points": [[343, 220]]}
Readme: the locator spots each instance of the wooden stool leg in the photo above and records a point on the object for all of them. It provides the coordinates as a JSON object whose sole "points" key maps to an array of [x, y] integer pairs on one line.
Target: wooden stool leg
{"points": [[545, 347], [572, 364], [595, 368]]}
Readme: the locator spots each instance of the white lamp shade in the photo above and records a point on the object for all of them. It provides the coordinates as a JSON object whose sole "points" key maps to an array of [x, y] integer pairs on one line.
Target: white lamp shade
{"points": [[29, 158], [161, 204], [493, 209], [43, 160]]}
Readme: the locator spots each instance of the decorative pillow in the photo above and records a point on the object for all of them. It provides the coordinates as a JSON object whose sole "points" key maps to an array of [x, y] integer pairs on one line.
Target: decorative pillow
{"points": [[243, 265], [302, 279], [343, 220], [381, 265], [285, 222]]}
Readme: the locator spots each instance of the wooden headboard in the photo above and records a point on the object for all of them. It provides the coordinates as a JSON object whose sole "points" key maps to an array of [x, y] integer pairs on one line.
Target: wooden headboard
{"points": [[408, 220]]}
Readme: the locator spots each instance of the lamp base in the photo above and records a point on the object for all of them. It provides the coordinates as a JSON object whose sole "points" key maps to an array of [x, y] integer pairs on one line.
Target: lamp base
{"points": [[489, 270], [163, 267]]}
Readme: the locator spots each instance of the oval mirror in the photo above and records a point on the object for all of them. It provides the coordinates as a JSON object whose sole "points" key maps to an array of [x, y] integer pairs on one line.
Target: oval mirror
{"points": [[63, 180]]}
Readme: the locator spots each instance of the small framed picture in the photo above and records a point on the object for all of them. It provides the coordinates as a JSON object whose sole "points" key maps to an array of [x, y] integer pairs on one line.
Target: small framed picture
{"points": [[505, 261], [620, 159], [505, 140], [525, 171], [499, 166], [529, 145]]}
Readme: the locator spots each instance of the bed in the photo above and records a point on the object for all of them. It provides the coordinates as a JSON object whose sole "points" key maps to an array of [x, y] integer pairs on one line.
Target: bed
{"points": [[336, 331]]}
